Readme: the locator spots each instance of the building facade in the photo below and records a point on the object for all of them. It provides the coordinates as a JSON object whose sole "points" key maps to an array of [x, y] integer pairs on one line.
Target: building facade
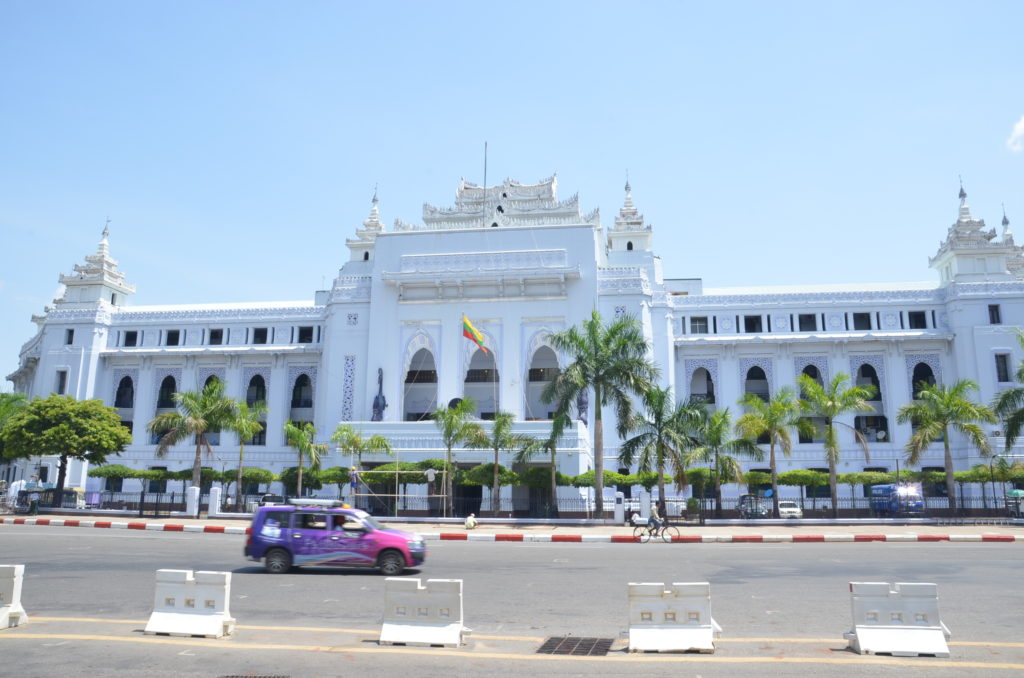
{"points": [[383, 347]]}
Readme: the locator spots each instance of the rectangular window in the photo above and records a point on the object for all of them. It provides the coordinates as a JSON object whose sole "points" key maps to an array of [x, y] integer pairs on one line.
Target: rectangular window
{"points": [[216, 337], [752, 323], [699, 325], [1002, 368], [305, 335], [808, 323], [128, 425], [62, 382], [917, 320], [157, 486], [69, 337], [114, 484], [172, 338], [994, 317], [131, 338], [862, 321], [259, 335]]}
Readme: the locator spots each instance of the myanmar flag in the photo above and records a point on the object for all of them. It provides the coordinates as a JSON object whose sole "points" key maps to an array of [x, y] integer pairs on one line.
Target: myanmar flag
{"points": [[471, 333]]}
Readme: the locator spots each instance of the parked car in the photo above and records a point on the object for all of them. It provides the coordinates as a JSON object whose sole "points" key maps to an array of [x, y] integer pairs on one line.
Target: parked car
{"points": [[755, 508], [790, 509], [322, 533]]}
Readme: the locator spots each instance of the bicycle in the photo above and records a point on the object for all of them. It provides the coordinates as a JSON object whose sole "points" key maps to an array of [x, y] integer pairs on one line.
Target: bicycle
{"points": [[666, 532]]}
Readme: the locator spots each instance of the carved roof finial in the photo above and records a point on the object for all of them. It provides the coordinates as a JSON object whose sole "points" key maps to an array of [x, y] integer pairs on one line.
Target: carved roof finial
{"points": [[963, 193], [374, 200], [1006, 222], [628, 187]]}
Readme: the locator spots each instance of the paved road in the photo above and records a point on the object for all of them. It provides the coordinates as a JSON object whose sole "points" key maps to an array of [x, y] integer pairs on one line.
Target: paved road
{"points": [[783, 607]]}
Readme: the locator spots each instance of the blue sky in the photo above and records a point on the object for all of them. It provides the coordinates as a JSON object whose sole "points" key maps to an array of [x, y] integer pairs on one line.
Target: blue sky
{"points": [[235, 145]]}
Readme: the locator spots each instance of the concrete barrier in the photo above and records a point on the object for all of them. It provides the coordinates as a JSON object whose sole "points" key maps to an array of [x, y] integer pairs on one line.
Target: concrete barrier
{"points": [[192, 604], [901, 620], [677, 619], [422, 615], [11, 612]]}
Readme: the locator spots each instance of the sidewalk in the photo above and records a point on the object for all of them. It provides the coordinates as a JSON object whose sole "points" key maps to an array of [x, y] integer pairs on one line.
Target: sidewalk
{"points": [[513, 531]]}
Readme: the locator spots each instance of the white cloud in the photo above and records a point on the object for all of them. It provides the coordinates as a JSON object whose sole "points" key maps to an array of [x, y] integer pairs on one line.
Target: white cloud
{"points": [[1016, 141]]}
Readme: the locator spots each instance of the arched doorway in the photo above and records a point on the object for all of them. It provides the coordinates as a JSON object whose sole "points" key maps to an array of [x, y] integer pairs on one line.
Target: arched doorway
{"points": [[702, 388], [482, 383], [756, 383], [868, 376], [543, 370], [922, 375], [420, 393], [124, 398]]}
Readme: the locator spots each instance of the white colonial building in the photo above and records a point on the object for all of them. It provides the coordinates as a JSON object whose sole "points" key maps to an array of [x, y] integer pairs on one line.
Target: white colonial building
{"points": [[520, 264]]}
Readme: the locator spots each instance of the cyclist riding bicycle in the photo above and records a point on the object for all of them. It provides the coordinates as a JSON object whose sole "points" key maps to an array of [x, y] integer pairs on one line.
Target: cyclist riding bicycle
{"points": [[655, 522]]}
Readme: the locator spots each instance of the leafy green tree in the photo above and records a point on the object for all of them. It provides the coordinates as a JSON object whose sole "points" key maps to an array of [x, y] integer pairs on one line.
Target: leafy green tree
{"points": [[484, 475], [301, 436], [456, 428], [611, 360], [588, 479], [246, 422], [10, 404], [115, 471], [648, 479], [937, 412], [773, 420], [661, 435], [829, 402], [289, 478], [715, 444], [803, 478], [250, 475], [62, 427], [500, 438], [537, 446], [198, 414]]}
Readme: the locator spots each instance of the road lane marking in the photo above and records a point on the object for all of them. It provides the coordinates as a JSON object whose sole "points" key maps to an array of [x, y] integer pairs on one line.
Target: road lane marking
{"points": [[621, 657], [525, 639]]}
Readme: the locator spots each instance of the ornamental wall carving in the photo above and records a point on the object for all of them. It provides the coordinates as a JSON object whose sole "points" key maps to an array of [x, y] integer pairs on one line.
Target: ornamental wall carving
{"points": [[819, 361], [876, 361], [348, 392], [691, 365], [910, 296], [309, 313], [251, 371], [116, 376], [765, 363], [483, 261], [932, 360]]}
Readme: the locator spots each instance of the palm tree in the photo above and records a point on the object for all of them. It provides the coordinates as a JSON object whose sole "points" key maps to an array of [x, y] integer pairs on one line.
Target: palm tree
{"points": [[456, 428], [661, 435], [773, 420], [549, 445], [300, 436], [246, 422], [612, 361], [499, 439], [828, 403], [351, 442], [715, 444], [939, 410], [199, 413]]}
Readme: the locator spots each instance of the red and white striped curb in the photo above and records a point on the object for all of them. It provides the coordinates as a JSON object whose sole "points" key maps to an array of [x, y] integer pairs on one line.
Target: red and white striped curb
{"points": [[554, 538], [120, 525]]}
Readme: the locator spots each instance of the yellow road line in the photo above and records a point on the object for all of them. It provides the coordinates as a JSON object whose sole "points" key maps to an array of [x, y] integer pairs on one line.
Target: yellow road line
{"points": [[475, 655], [524, 639]]}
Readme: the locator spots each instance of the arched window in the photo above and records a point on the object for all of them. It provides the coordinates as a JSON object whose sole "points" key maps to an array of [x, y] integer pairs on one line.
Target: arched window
{"points": [[543, 370], [702, 388], [867, 376], [923, 375], [302, 392], [756, 383], [814, 373], [420, 394], [366, 256], [168, 387], [212, 379], [257, 391], [125, 396], [629, 246]]}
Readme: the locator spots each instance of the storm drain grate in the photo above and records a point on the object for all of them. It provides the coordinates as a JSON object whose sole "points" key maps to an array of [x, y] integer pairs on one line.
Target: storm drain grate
{"points": [[587, 647]]}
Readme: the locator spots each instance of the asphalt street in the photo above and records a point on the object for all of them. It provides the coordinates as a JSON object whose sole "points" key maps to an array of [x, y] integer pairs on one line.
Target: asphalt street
{"points": [[783, 607]]}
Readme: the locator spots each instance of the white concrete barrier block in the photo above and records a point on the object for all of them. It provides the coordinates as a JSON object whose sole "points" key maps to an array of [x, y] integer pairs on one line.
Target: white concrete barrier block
{"points": [[901, 620], [422, 615], [11, 612], [191, 603], [676, 619]]}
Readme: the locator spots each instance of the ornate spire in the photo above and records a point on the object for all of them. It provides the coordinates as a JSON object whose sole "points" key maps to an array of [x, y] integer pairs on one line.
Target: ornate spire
{"points": [[963, 193], [1007, 233], [104, 247]]}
